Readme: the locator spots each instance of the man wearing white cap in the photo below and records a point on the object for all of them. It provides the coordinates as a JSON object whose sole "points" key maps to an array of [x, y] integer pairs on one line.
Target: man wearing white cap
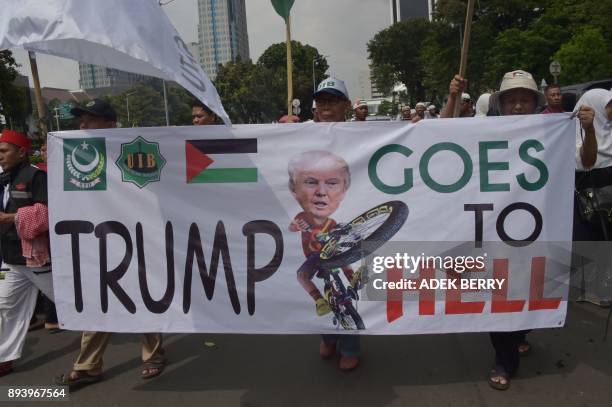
{"points": [[419, 112], [456, 88], [433, 112], [361, 110], [518, 95], [467, 106], [406, 113]]}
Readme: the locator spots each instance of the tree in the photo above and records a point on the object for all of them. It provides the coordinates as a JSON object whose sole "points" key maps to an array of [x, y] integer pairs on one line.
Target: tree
{"points": [[395, 56], [491, 52], [146, 106], [274, 61], [387, 108], [257, 93], [179, 105], [246, 92], [506, 35], [13, 98], [587, 55], [179, 101]]}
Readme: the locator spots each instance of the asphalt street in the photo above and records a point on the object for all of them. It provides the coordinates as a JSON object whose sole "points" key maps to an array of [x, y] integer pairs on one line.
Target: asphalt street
{"points": [[571, 366]]}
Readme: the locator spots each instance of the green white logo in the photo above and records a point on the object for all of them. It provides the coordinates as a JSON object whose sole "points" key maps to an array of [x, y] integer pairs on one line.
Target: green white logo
{"points": [[327, 84], [85, 164], [140, 162]]}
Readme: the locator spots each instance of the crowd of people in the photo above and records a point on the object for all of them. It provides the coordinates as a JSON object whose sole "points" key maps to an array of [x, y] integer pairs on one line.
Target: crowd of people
{"points": [[24, 219]]}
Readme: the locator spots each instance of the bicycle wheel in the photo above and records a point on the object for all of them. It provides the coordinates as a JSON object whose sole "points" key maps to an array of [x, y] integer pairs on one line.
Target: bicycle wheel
{"points": [[375, 226], [351, 320]]}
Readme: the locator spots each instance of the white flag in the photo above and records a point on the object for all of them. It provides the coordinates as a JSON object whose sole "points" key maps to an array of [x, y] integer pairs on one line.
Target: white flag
{"points": [[133, 36]]}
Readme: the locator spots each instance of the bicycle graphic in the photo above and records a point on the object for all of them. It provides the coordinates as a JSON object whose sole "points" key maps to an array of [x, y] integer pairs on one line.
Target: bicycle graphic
{"points": [[343, 245]]}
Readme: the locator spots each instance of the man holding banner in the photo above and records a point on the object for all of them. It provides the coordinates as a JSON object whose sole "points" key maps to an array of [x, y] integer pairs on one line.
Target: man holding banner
{"points": [[518, 95], [87, 368], [332, 103]]}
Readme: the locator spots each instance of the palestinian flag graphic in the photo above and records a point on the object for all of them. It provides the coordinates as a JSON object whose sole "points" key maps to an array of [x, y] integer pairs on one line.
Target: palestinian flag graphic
{"points": [[219, 161]]}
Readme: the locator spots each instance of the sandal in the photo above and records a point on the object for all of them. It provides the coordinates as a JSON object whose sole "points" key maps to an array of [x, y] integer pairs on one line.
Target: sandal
{"points": [[51, 325], [524, 348], [82, 379], [151, 370], [499, 373]]}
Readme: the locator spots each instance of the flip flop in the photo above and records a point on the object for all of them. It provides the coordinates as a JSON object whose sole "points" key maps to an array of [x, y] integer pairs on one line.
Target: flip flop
{"points": [[82, 379], [499, 372], [151, 370]]}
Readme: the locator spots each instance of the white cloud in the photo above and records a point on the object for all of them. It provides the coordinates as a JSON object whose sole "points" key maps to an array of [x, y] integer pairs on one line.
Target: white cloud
{"points": [[338, 28]]}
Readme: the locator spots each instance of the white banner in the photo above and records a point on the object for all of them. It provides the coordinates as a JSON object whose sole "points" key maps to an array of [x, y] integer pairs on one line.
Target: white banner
{"points": [[217, 229], [134, 36]]}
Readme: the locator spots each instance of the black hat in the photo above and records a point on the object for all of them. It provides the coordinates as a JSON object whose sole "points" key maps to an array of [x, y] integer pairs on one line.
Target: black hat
{"points": [[96, 107]]}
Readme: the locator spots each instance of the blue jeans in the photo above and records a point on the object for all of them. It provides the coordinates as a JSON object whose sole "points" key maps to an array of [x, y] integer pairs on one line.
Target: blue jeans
{"points": [[349, 344]]}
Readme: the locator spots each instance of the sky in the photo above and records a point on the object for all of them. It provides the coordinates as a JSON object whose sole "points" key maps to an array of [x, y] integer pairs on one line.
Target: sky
{"points": [[339, 29]]}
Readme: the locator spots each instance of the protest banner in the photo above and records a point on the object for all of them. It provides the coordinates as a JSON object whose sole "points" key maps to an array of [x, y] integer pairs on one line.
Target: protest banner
{"points": [[219, 229]]}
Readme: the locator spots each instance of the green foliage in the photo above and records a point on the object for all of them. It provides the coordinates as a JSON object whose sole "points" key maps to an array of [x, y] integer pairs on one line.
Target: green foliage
{"points": [[435, 56], [395, 56], [246, 92], [387, 108], [146, 104], [12, 98], [257, 93], [588, 54], [274, 63], [506, 35]]}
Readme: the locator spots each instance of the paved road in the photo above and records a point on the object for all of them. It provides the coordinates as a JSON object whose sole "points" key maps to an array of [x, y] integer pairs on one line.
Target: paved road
{"points": [[568, 367]]}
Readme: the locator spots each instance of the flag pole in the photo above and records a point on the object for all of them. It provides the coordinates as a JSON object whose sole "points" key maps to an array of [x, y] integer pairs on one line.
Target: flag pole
{"points": [[289, 71], [464, 50], [40, 106]]}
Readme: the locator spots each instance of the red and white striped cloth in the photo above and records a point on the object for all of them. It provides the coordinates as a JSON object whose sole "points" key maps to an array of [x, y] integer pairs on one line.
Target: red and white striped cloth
{"points": [[32, 224]]}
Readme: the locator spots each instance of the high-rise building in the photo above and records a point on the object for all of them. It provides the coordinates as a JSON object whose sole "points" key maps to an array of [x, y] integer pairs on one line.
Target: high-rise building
{"points": [[402, 10], [194, 48], [222, 33], [367, 86], [95, 77]]}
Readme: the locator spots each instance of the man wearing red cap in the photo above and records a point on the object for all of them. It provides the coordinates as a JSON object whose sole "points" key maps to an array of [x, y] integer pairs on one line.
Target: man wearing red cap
{"points": [[23, 218]]}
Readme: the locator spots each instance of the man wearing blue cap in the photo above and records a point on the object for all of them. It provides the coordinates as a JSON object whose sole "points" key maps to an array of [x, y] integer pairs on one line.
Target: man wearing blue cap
{"points": [[332, 100], [333, 104]]}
